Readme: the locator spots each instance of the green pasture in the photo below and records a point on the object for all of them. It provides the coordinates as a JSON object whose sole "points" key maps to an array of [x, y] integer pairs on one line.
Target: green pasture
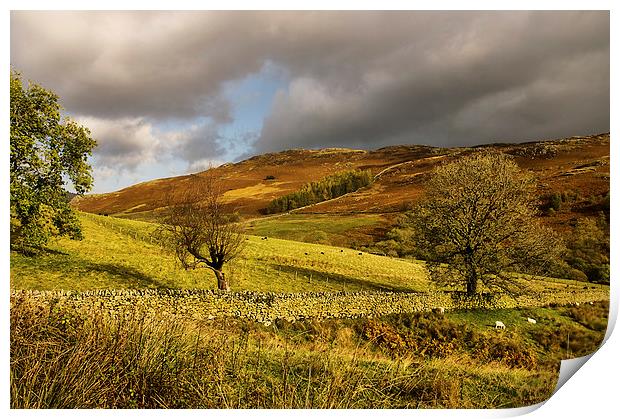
{"points": [[118, 253], [338, 230]]}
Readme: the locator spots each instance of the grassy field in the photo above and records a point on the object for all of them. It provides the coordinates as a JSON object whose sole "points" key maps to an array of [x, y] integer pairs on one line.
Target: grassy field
{"points": [[336, 230], [117, 253]]}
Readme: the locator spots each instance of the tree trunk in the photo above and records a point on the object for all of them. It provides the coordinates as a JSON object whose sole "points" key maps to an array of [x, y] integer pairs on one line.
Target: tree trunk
{"points": [[472, 275], [472, 283], [222, 283]]}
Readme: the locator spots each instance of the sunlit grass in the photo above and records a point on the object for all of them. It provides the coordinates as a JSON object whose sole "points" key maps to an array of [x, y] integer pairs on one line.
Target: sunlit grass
{"points": [[109, 257], [341, 230]]}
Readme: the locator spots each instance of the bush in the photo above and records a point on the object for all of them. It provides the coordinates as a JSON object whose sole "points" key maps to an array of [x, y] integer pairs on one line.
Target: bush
{"points": [[555, 201], [434, 336]]}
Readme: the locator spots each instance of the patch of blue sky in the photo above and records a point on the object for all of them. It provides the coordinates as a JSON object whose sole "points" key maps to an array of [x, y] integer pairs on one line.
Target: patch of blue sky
{"points": [[251, 99]]}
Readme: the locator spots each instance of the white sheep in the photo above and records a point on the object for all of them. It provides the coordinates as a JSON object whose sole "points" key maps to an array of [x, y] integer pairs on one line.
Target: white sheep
{"points": [[499, 325], [530, 320], [577, 304]]}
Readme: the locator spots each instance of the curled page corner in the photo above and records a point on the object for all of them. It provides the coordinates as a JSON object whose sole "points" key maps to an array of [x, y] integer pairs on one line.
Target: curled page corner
{"points": [[568, 368]]}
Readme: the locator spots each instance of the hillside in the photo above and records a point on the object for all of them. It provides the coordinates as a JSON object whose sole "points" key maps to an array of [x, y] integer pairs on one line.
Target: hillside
{"points": [[120, 254], [577, 166], [309, 325]]}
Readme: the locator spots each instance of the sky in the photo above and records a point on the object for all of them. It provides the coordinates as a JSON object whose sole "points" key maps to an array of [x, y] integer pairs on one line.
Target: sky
{"points": [[169, 93]]}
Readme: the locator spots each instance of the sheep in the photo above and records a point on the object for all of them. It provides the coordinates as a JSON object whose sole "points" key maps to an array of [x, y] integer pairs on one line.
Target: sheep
{"points": [[530, 320], [577, 304], [439, 310], [322, 253], [499, 325]]}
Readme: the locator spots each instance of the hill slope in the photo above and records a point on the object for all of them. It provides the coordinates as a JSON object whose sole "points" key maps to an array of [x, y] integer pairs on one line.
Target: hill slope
{"points": [[578, 165], [117, 253]]}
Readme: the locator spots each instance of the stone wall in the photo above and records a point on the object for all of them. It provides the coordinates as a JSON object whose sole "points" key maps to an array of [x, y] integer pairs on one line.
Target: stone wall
{"points": [[265, 307]]}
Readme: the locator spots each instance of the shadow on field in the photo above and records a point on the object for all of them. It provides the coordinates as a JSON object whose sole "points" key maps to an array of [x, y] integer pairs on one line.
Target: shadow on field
{"points": [[38, 251], [126, 272], [72, 266], [349, 283]]}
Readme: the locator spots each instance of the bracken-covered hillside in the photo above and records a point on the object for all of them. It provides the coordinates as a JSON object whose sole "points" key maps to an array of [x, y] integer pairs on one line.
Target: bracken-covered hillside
{"points": [[576, 168]]}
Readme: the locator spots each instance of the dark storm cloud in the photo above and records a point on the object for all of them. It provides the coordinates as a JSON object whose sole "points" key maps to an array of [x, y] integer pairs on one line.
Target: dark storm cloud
{"points": [[482, 77], [359, 79]]}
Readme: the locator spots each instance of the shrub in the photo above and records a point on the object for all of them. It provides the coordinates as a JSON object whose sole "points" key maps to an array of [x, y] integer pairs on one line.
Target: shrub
{"points": [[432, 335]]}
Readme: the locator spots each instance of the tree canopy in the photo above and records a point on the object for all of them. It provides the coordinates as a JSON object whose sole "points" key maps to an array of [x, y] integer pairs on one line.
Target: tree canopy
{"points": [[588, 249], [46, 152], [477, 222]]}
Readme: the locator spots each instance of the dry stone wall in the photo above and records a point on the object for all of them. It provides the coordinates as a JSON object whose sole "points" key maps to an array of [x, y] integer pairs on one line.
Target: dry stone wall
{"points": [[266, 307]]}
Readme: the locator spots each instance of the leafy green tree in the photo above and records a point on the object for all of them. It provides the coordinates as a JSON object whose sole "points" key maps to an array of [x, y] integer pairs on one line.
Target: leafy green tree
{"points": [[46, 151], [476, 223]]}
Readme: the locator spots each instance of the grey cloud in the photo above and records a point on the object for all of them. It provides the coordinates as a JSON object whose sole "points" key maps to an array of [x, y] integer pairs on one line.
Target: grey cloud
{"points": [[199, 143], [122, 144], [359, 79], [521, 75], [128, 64]]}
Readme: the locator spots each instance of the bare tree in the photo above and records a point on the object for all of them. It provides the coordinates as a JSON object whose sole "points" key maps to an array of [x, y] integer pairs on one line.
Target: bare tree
{"points": [[198, 229], [477, 222]]}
